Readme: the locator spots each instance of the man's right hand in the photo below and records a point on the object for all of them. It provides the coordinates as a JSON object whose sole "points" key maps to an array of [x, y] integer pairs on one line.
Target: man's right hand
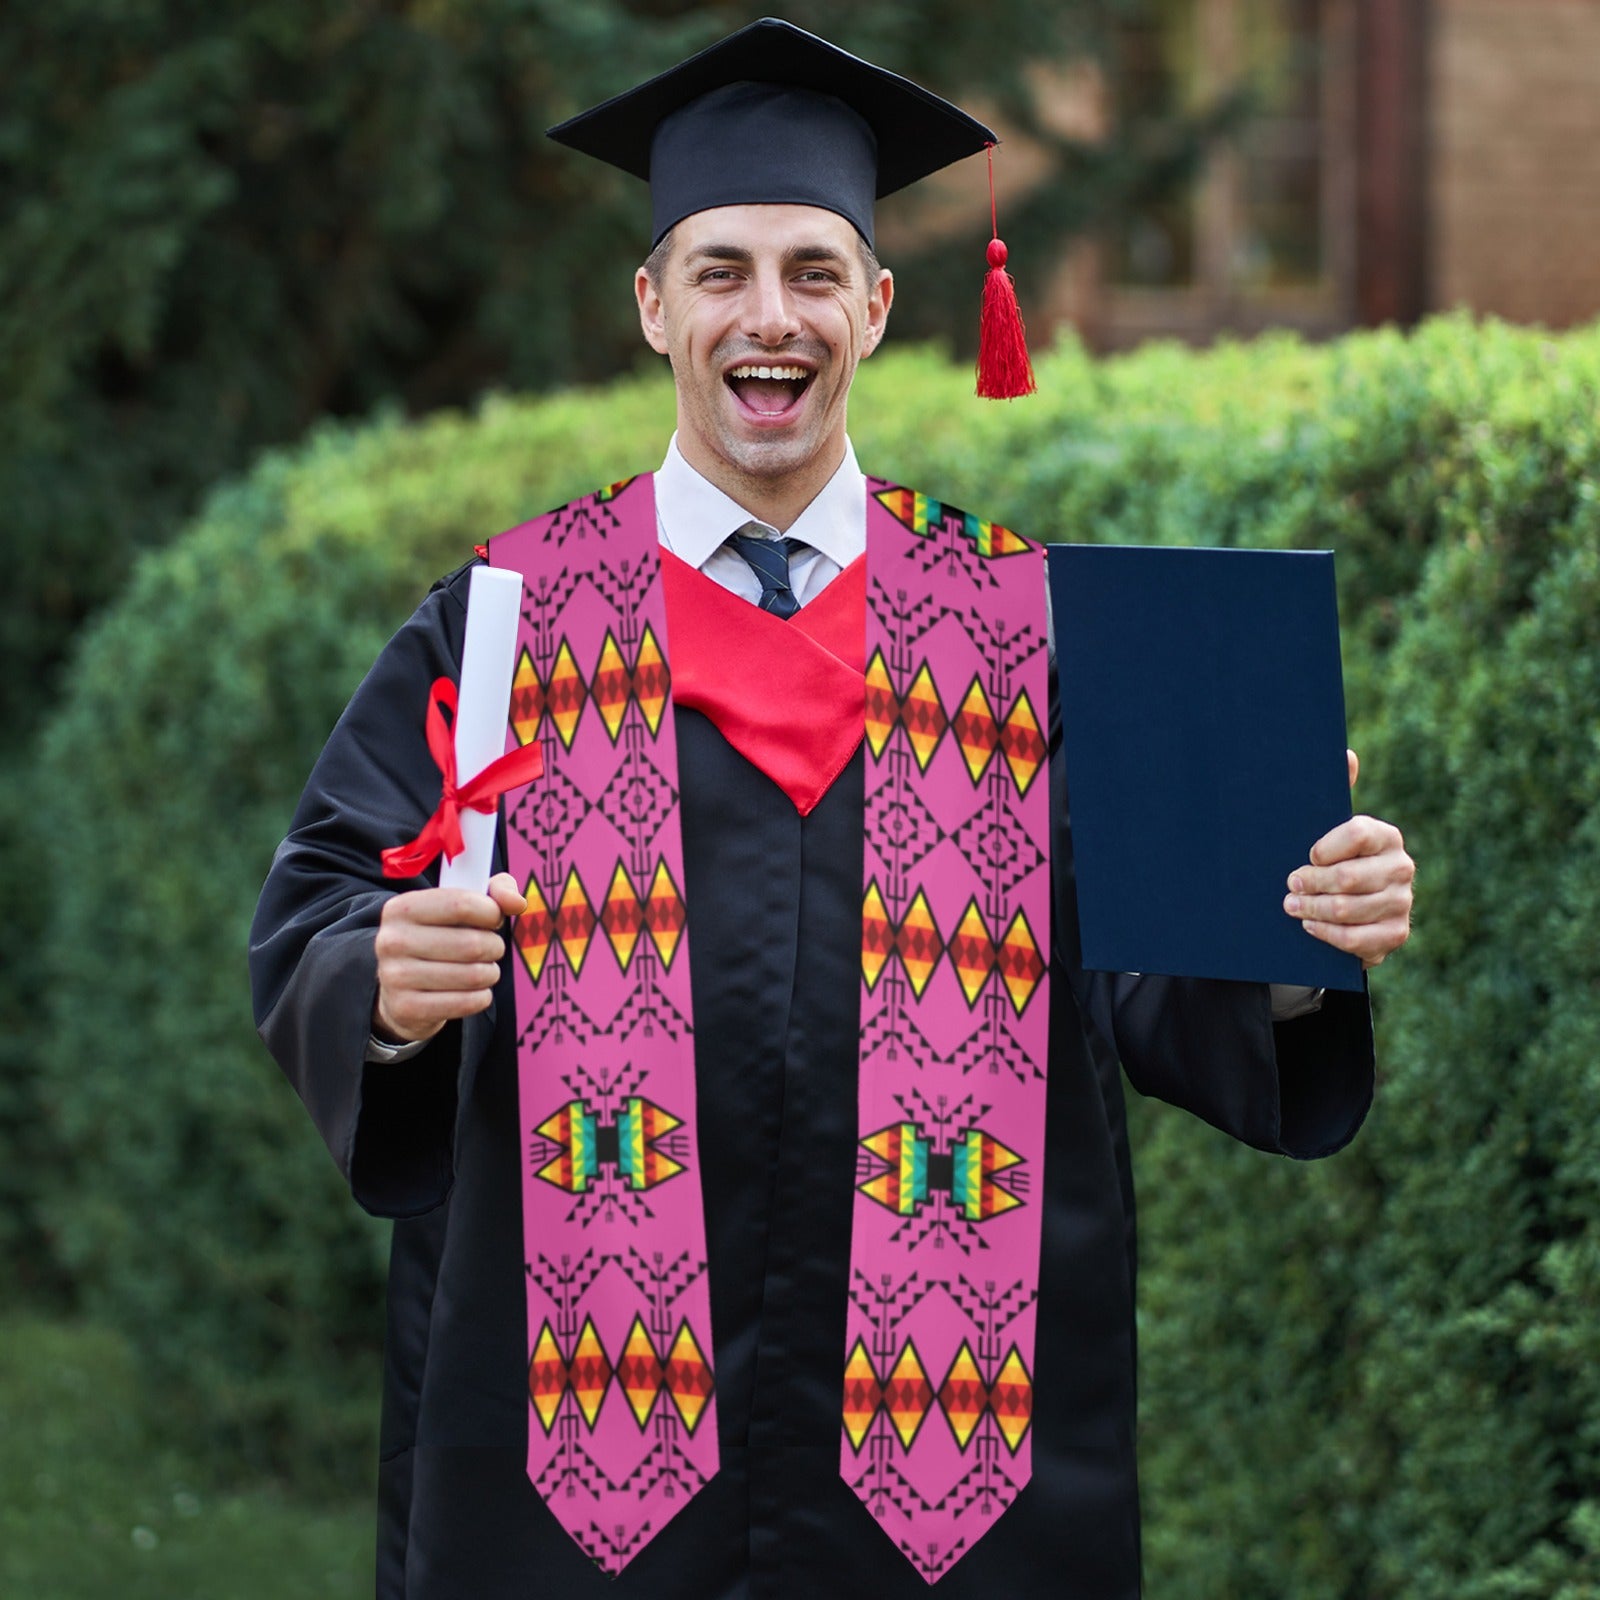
{"points": [[438, 957]]}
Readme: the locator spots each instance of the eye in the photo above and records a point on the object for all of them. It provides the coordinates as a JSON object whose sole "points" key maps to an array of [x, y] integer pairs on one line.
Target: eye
{"points": [[718, 275]]}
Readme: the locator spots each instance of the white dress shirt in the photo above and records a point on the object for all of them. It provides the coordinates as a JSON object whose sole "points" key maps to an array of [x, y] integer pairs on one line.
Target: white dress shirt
{"points": [[694, 518]]}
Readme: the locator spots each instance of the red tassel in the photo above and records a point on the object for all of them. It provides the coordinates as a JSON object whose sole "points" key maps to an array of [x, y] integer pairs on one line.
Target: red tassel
{"points": [[1004, 370]]}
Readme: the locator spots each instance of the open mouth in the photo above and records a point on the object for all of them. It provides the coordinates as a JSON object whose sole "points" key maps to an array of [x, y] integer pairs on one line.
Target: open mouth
{"points": [[769, 391]]}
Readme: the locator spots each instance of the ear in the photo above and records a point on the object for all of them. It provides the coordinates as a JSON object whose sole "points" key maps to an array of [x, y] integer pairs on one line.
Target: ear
{"points": [[652, 315], [880, 298]]}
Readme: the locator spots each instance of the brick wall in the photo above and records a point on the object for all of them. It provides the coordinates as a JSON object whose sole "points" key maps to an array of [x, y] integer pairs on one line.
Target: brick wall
{"points": [[1514, 163]]}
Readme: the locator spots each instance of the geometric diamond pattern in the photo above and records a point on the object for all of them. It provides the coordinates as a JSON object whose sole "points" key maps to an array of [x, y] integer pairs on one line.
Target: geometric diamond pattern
{"points": [[977, 733], [610, 688], [1021, 965], [1011, 1400], [877, 935], [926, 517], [999, 851], [589, 1373], [688, 1377], [1023, 743], [547, 1377], [637, 801], [900, 824], [665, 916], [915, 939], [532, 931], [684, 1376], [963, 1397], [972, 948], [622, 916], [565, 695], [908, 1396], [586, 1378], [972, 952], [527, 699], [863, 1394], [575, 922], [923, 717], [550, 812], [640, 1371], [615, 685], [918, 944]]}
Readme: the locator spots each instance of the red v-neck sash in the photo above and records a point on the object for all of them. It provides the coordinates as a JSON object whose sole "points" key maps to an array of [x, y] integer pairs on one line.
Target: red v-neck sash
{"points": [[787, 695]]}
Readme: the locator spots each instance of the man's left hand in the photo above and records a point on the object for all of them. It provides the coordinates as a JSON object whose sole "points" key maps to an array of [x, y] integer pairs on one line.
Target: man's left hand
{"points": [[1355, 893]]}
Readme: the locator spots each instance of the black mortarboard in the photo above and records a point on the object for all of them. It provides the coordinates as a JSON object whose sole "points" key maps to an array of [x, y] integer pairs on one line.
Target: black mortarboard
{"points": [[774, 115]]}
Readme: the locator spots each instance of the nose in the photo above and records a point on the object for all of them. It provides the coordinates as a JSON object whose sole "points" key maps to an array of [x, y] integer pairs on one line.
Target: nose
{"points": [[771, 319]]}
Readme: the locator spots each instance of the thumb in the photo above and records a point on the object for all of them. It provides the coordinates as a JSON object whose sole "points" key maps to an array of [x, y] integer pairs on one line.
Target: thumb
{"points": [[504, 892], [1354, 762]]}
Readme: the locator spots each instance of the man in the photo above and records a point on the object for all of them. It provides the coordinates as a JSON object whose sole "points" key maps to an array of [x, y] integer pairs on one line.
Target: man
{"points": [[398, 1017]]}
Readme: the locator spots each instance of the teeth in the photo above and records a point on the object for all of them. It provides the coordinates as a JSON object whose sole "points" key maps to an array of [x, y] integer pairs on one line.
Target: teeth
{"points": [[797, 374]]}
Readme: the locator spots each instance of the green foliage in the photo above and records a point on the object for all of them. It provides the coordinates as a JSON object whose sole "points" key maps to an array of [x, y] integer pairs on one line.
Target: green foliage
{"points": [[220, 224], [1369, 1379], [190, 1208], [97, 1500]]}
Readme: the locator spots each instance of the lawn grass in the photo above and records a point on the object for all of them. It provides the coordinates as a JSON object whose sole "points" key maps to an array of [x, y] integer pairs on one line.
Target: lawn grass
{"points": [[93, 1503]]}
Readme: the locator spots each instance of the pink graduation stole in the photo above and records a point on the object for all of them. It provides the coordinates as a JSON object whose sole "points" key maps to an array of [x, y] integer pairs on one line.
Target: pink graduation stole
{"points": [[944, 1262]]}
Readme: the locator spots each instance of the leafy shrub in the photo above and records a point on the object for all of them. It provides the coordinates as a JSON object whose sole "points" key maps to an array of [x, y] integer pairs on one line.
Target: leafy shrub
{"points": [[1374, 1377]]}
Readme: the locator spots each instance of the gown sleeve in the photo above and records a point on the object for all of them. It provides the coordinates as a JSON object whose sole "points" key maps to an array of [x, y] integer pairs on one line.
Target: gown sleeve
{"points": [[1300, 1088], [313, 966]]}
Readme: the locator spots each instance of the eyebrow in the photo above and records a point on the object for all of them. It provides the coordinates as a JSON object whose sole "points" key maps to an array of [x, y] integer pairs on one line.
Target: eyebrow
{"points": [[738, 255]]}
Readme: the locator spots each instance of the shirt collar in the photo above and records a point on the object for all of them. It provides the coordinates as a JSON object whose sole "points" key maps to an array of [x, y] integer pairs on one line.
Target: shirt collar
{"points": [[696, 517]]}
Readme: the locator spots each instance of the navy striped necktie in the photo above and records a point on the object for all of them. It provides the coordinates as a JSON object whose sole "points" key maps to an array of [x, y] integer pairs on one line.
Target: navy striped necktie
{"points": [[769, 560]]}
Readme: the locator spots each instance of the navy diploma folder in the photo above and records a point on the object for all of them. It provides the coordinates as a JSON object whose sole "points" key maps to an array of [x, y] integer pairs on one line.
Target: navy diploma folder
{"points": [[1202, 714]]}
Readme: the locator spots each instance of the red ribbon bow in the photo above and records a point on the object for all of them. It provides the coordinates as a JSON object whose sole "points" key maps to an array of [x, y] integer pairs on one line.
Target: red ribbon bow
{"points": [[442, 831]]}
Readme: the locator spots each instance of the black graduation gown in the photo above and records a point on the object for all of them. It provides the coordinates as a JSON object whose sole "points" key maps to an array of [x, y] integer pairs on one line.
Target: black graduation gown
{"points": [[776, 906]]}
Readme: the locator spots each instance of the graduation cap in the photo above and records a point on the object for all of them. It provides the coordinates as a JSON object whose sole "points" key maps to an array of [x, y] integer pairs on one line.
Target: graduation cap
{"points": [[773, 115]]}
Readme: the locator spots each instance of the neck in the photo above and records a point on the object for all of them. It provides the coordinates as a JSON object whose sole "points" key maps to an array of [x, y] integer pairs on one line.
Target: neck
{"points": [[776, 500]]}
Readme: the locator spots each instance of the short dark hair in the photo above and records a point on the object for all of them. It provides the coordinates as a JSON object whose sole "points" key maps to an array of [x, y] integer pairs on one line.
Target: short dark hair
{"points": [[655, 264]]}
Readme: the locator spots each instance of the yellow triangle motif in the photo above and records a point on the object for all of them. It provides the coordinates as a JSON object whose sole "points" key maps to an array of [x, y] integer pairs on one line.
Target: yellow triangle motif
{"points": [[1021, 965], [575, 922], [882, 703], [923, 717], [623, 916], [688, 1378], [919, 944], [1011, 1400], [590, 1373], [531, 931], [639, 1372], [1023, 743], [862, 1394], [609, 689], [976, 731], [546, 1378], [908, 1396], [565, 695], [972, 952], [962, 1396], [664, 915], [877, 936], [650, 681], [527, 700]]}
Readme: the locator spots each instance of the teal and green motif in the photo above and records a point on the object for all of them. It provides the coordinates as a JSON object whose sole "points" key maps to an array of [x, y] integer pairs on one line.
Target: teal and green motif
{"points": [[628, 1144], [913, 1171]]}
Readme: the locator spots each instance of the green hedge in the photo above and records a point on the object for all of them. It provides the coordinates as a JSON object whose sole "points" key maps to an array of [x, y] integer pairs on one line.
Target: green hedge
{"points": [[1370, 1378]]}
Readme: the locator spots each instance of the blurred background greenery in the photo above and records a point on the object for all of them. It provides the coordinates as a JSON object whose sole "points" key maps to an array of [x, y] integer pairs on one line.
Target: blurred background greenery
{"points": [[295, 307]]}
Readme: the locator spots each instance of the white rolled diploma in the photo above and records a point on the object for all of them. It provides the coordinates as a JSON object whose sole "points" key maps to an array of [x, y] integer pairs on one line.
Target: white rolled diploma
{"points": [[488, 661]]}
